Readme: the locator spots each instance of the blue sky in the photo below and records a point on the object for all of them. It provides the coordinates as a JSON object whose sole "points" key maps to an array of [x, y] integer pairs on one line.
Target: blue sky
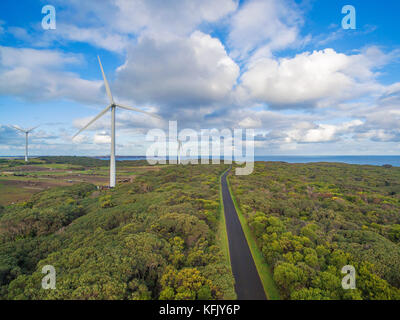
{"points": [[284, 68]]}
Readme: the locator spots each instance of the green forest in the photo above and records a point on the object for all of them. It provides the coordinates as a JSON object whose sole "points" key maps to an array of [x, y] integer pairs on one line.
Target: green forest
{"points": [[310, 220], [154, 238], [162, 234]]}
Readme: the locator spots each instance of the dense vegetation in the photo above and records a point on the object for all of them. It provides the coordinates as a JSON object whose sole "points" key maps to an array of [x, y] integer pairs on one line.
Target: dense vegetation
{"points": [[88, 161], [154, 238], [81, 161], [310, 220]]}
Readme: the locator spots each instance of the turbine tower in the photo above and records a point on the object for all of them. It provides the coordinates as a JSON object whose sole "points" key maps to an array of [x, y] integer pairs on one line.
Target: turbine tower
{"points": [[27, 132], [179, 151], [112, 106]]}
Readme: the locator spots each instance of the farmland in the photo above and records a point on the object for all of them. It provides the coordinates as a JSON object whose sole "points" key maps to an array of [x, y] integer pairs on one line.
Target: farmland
{"points": [[18, 180]]}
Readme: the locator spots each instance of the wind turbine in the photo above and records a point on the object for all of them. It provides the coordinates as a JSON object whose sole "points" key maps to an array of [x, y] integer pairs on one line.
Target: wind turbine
{"points": [[27, 132], [179, 151], [112, 106]]}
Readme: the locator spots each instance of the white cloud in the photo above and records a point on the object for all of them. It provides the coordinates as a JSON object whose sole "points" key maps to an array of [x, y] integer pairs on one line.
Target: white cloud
{"points": [[98, 37], [38, 75], [250, 122], [80, 139], [177, 72], [381, 120], [102, 138], [30, 58], [179, 17], [310, 133], [320, 78], [391, 96], [111, 24], [189, 75], [272, 24], [379, 135]]}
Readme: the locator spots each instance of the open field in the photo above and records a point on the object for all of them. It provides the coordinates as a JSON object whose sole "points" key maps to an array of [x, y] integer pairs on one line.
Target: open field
{"points": [[18, 181]]}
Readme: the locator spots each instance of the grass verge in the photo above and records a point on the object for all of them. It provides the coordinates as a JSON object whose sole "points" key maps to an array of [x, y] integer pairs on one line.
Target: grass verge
{"points": [[264, 271]]}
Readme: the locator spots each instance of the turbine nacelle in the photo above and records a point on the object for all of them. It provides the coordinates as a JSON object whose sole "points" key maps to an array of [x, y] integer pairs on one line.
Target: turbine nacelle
{"points": [[24, 130]]}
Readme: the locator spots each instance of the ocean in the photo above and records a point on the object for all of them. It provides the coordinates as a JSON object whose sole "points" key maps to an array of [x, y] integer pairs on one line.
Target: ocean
{"points": [[368, 160]]}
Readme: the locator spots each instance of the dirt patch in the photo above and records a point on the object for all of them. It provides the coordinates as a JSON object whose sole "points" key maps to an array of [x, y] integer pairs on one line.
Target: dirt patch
{"points": [[149, 168], [33, 183], [21, 189], [85, 178]]}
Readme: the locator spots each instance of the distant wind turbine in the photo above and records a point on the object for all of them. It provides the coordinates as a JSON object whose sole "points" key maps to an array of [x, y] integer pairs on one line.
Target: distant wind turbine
{"points": [[112, 106], [27, 132], [179, 151]]}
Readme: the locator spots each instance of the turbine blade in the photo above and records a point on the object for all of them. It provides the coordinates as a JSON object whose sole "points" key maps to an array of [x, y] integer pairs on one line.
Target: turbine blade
{"points": [[31, 129], [139, 110], [93, 120], [18, 128], [106, 82]]}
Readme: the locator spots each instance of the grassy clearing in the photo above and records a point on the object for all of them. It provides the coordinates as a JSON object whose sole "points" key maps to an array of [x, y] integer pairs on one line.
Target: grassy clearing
{"points": [[10, 194], [222, 235], [263, 268]]}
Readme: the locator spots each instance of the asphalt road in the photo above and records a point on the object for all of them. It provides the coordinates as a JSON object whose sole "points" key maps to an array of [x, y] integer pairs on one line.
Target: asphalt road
{"points": [[248, 285]]}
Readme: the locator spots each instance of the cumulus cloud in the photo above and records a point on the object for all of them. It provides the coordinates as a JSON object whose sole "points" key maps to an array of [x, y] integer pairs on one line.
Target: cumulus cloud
{"points": [[313, 133], [176, 66], [381, 120], [39, 75], [108, 24], [102, 138], [315, 79], [265, 25], [177, 72], [179, 17]]}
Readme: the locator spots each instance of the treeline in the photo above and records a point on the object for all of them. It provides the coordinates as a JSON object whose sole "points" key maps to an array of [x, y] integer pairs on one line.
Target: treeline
{"points": [[154, 238], [73, 160], [311, 220], [90, 161]]}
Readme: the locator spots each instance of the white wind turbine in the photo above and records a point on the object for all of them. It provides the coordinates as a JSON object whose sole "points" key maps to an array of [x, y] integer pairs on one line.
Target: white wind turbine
{"points": [[179, 151], [27, 132], [112, 106]]}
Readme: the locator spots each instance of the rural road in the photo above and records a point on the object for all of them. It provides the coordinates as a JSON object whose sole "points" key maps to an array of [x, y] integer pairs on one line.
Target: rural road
{"points": [[248, 285]]}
